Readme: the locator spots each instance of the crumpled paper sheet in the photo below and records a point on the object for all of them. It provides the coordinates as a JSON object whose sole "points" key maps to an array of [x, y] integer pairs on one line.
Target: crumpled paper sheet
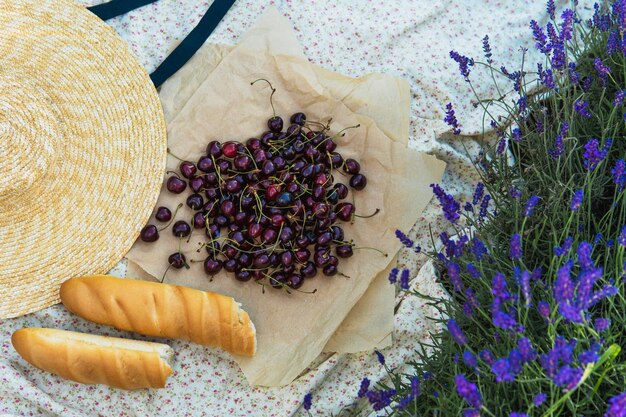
{"points": [[292, 329], [369, 324]]}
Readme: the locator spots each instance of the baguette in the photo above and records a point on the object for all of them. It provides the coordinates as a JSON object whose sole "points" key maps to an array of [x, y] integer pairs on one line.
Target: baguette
{"points": [[162, 310], [90, 359]]}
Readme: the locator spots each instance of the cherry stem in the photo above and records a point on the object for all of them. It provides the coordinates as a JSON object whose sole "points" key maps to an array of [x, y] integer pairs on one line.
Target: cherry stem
{"points": [[368, 216], [271, 95], [172, 219], [173, 172], [169, 151], [165, 273]]}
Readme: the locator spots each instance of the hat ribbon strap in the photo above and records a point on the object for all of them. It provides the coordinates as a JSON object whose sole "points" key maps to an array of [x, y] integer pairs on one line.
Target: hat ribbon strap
{"points": [[185, 50], [114, 8]]}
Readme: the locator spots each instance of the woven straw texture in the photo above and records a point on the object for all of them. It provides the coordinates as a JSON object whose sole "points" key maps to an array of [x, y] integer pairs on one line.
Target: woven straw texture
{"points": [[82, 149]]}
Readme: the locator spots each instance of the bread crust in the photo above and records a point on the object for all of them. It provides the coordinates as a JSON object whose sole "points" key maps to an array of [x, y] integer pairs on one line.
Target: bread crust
{"points": [[91, 359], [162, 310]]}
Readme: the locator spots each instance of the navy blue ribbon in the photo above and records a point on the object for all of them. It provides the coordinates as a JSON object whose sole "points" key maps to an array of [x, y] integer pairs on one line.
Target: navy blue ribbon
{"points": [[185, 50]]}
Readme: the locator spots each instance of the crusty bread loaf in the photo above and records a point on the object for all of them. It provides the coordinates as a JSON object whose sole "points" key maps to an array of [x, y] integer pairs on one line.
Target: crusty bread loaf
{"points": [[90, 359], [162, 310]]}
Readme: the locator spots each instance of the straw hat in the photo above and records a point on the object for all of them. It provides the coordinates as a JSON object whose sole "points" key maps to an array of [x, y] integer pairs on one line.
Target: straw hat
{"points": [[82, 149]]}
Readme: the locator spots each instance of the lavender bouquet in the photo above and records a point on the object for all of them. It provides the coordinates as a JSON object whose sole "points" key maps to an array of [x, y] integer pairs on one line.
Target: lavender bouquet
{"points": [[535, 262]]}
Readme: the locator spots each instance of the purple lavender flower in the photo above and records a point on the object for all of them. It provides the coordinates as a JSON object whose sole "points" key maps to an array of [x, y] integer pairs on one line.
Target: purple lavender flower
{"points": [[365, 384], [484, 205], [450, 206], [617, 406], [499, 287], [515, 251], [613, 43], [486, 356], [470, 359], [472, 271], [551, 9], [559, 57], [530, 205], [539, 399], [577, 199], [393, 275], [587, 82], [380, 357], [451, 120], [574, 76], [540, 38], [471, 412], [456, 332], [581, 107], [526, 349], [487, 49], [468, 391], [522, 104], [413, 393], [567, 24], [463, 61], [404, 279], [622, 236], [593, 155], [584, 255], [380, 399], [478, 248], [516, 134], [603, 70], [619, 98], [544, 309], [501, 146], [559, 147], [619, 174], [515, 193], [525, 286], [502, 370], [404, 239], [306, 404], [518, 414], [454, 273], [564, 248], [619, 14], [479, 192], [589, 356], [563, 286], [503, 320], [568, 377], [547, 79]]}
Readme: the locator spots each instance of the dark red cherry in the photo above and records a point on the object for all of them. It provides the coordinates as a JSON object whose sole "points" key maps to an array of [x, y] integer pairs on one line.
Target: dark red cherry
{"points": [[275, 124], [358, 181], [188, 169], [177, 260], [309, 270], [196, 184], [351, 166], [330, 270], [295, 281], [195, 201], [298, 118], [344, 211], [243, 275], [212, 266], [181, 229], [163, 214], [149, 233], [199, 221], [214, 149], [176, 185], [229, 149], [344, 251], [205, 164]]}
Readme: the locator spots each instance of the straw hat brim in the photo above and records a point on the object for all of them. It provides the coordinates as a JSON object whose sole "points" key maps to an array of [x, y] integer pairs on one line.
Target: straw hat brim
{"points": [[82, 149]]}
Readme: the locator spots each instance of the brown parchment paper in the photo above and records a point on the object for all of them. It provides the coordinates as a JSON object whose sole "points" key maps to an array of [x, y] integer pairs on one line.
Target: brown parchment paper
{"points": [[293, 329], [369, 324]]}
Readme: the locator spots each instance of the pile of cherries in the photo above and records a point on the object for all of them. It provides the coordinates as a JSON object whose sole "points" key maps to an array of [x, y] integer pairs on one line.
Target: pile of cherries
{"points": [[270, 207]]}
